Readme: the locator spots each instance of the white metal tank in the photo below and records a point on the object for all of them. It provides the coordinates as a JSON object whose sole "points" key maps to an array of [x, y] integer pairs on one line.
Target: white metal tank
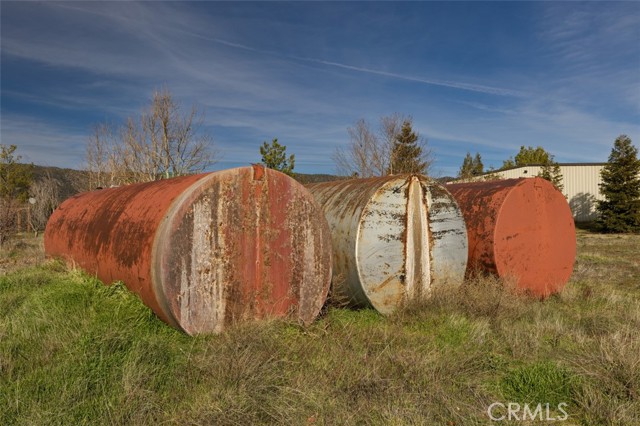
{"points": [[394, 238]]}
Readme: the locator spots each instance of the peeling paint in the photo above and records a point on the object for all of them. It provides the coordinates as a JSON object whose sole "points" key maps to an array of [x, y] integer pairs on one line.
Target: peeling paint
{"points": [[205, 251], [382, 229]]}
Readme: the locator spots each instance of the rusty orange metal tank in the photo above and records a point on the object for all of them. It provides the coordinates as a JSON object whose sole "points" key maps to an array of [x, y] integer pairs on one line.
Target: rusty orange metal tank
{"points": [[519, 228], [394, 238], [203, 251]]}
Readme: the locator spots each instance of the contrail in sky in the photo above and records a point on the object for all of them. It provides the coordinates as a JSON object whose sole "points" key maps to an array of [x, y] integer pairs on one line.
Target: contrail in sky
{"points": [[499, 91], [491, 90]]}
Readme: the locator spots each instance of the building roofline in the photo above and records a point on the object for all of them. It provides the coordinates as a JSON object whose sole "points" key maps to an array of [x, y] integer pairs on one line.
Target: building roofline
{"points": [[582, 164], [541, 165]]}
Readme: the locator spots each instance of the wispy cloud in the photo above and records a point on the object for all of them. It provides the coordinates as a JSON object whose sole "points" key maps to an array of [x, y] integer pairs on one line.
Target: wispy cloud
{"points": [[262, 75], [44, 142], [491, 90], [591, 29], [433, 82], [568, 133], [163, 40]]}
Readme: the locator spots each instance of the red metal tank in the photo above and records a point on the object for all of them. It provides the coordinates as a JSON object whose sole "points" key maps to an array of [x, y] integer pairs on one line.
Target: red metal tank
{"points": [[203, 251], [519, 228]]}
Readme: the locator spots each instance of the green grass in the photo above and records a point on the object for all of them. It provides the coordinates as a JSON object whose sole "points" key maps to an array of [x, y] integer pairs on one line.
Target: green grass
{"points": [[73, 351], [541, 381]]}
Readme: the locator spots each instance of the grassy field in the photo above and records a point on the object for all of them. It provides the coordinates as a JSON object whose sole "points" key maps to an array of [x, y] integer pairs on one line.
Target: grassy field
{"points": [[73, 351]]}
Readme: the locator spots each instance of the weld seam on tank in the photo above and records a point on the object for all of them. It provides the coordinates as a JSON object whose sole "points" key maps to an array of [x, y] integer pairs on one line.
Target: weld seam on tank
{"points": [[161, 235], [175, 219], [388, 204]]}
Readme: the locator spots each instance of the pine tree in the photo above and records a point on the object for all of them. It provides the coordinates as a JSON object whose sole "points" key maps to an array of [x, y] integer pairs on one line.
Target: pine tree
{"points": [[551, 172], [471, 166], [477, 166], [466, 170], [274, 156], [406, 153], [620, 210]]}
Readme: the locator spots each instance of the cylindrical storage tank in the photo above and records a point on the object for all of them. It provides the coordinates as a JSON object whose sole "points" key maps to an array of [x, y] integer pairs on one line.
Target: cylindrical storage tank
{"points": [[520, 229], [203, 251], [394, 237]]}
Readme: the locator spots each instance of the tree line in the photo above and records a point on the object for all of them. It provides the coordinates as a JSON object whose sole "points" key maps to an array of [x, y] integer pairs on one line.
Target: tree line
{"points": [[473, 167], [392, 147], [167, 140], [619, 211], [26, 202]]}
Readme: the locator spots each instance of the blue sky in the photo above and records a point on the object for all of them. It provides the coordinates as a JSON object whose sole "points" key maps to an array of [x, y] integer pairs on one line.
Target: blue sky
{"points": [[476, 76]]}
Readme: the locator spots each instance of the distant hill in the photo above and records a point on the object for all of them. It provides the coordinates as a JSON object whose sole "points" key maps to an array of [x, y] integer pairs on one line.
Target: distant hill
{"points": [[445, 179], [316, 178], [74, 181], [71, 181]]}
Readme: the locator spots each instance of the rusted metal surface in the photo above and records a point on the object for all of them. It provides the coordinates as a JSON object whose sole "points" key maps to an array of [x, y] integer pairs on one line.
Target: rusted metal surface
{"points": [[204, 251], [522, 229], [393, 237]]}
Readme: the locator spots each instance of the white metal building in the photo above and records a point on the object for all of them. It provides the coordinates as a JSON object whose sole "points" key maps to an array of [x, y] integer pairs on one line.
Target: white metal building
{"points": [[580, 181]]}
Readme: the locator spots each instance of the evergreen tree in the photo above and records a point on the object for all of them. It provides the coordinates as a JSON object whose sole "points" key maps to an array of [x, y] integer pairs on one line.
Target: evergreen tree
{"points": [[466, 170], [471, 166], [620, 210], [406, 153], [477, 166], [551, 172], [15, 178], [274, 156]]}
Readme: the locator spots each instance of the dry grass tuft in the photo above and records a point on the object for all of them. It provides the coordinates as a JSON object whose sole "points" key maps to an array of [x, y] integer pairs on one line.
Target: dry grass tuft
{"points": [[21, 251]]}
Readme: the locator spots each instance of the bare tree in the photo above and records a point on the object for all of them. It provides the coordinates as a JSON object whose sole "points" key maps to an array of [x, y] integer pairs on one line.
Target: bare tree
{"points": [[390, 128], [46, 194], [369, 152], [98, 154], [364, 156], [163, 142]]}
